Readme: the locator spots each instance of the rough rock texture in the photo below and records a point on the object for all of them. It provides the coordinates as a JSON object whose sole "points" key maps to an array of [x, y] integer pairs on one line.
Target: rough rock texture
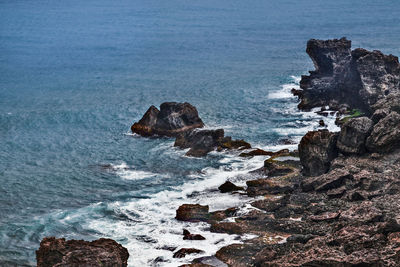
{"points": [[57, 252], [385, 135], [192, 213], [353, 135], [317, 149], [188, 236], [172, 118], [200, 142], [185, 251], [342, 77]]}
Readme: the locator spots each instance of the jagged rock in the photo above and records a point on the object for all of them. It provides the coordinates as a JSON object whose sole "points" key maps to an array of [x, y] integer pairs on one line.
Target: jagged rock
{"points": [[256, 152], [229, 187], [185, 251], [328, 216], [357, 78], [188, 236], [61, 253], [380, 114], [192, 213], [390, 103], [266, 186], [334, 179], [200, 142], [353, 134], [172, 118], [316, 150], [385, 135]]}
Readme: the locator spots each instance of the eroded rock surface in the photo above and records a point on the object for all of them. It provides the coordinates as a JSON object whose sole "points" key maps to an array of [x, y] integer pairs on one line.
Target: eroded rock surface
{"points": [[172, 119], [353, 135], [58, 252]]}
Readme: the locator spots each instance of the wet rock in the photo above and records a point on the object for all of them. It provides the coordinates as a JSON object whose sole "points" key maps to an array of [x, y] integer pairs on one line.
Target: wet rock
{"points": [[321, 123], [385, 135], [235, 144], [185, 251], [226, 227], [188, 236], [353, 135], [200, 142], [316, 150], [172, 118], [192, 213], [256, 152], [59, 252], [229, 187]]}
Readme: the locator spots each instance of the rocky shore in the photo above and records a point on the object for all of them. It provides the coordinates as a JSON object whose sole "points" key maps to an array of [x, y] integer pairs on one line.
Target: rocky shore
{"points": [[333, 202]]}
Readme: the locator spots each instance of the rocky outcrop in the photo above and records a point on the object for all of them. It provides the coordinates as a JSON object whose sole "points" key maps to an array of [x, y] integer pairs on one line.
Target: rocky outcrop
{"points": [[172, 119], [385, 136], [316, 150], [188, 236], [185, 251], [346, 78], [59, 252], [353, 135], [192, 213]]}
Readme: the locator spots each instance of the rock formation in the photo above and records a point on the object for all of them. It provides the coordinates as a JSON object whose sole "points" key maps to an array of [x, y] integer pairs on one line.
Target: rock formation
{"points": [[57, 252], [172, 119], [346, 78]]}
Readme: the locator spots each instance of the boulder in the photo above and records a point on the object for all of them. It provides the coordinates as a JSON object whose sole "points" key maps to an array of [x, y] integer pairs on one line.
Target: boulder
{"points": [[316, 150], [229, 187], [192, 213], [385, 135], [59, 252], [172, 119], [200, 142], [353, 134]]}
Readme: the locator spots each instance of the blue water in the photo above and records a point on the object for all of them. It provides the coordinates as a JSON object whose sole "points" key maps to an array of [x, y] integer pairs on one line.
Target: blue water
{"points": [[74, 75]]}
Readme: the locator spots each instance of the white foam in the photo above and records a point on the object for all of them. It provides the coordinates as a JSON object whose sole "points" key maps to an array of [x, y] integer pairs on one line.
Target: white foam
{"points": [[129, 173]]}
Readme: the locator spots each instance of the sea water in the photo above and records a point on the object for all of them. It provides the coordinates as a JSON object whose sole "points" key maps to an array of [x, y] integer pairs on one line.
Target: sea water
{"points": [[74, 76]]}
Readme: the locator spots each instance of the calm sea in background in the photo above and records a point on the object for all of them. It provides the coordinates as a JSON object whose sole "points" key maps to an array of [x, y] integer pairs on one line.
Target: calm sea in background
{"points": [[74, 76]]}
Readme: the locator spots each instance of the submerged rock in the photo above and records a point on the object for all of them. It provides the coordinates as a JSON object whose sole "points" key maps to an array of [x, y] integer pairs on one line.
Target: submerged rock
{"points": [[353, 135], [185, 251], [316, 150], [172, 119], [188, 236], [102, 252]]}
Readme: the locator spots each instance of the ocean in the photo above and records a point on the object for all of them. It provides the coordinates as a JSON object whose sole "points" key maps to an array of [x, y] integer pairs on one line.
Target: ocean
{"points": [[75, 75]]}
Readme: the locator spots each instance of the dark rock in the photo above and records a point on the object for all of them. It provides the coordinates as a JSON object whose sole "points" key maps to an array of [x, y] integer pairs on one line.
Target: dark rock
{"points": [[385, 135], [256, 152], [334, 179], [316, 150], [226, 227], [192, 213], [200, 142], [379, 114], [322, 123], [235, 144], [353, 135], [229, 187], [185, 251], [357, 78], [266, 186], [188, 236], [299, 238], [59, 252], [328, 216], [172, 118]]}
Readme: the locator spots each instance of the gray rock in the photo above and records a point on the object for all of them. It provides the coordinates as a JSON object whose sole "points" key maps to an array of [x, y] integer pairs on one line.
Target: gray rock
{"points": [[380, 114], [316, 150], [353, 135], [385, 135], [200, 142]]}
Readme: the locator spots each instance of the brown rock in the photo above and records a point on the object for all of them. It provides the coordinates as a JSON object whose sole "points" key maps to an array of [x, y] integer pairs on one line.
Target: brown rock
{"points": [[192, 213], [229, 187], [188, 236], [59, 252], [185, 251]]}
